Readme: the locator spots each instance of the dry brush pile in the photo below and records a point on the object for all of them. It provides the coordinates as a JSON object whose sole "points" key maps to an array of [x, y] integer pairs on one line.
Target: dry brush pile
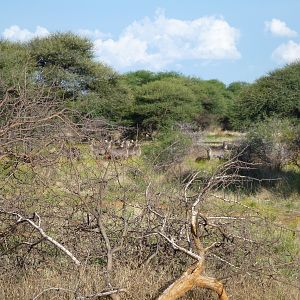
{"points": [[79, 227]]}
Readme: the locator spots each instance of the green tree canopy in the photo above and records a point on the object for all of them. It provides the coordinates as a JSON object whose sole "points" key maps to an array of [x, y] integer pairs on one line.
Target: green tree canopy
{"points": [[212, 101], [274, 95], [140, 77], [237, 86], [163, 102], [67, 61], [15, 63], [215, 99]]}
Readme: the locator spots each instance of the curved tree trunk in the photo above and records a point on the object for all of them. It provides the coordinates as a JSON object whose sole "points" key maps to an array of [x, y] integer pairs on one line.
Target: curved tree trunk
{"points": [[193, 276], [190, 279]]}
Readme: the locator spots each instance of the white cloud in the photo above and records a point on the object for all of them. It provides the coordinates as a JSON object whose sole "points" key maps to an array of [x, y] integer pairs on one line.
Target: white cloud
{"points": [[156, 43], [125, 52], [279, 28], [15, 33], [287, 53]]}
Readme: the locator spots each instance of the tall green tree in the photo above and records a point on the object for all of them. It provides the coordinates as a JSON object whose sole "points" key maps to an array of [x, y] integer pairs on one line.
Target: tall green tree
{"points": [[163, 102], [274, 95], [140, 77], [67, 61], [215, 99]]}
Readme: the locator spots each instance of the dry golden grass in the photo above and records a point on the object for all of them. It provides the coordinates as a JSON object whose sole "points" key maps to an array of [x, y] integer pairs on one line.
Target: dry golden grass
{"points": [[141, 283]]}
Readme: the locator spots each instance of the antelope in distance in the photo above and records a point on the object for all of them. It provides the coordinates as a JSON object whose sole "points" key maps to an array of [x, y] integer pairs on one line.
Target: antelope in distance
{"points": [[133, 149], [99, 149], [221, 151], [74, 153], [203, 154], [215, 151], [71, 152], [119, 152], [116, 150], [125, 150]]}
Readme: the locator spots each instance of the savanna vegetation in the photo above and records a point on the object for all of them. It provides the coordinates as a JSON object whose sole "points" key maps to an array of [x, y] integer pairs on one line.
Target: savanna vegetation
{"points": [[144, 185]]}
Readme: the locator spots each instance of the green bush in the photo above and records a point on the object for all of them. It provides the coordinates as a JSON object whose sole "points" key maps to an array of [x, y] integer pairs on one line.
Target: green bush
{"points": [[169, 148], [67, 62], [16, 64], [165, 97], [274, 95], [138, 78], [164, 102]]}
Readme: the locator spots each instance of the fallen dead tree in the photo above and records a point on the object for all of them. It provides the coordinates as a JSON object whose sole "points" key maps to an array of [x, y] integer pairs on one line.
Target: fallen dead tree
{"points": [[201, 227], [195, 276]]}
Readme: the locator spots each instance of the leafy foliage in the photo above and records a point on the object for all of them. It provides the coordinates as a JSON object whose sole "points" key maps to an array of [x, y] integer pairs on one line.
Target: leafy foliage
{"points": [[215, 100], [138, 78], [237, 86], [162, 103], [143, 98], [66, 61], [276, 94], [169, 148], [209, 101], [15, 63]]}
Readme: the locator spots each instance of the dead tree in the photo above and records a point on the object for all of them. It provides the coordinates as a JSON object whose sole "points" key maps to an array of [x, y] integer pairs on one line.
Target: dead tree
{"points": [[199, 235], [32, 141]]}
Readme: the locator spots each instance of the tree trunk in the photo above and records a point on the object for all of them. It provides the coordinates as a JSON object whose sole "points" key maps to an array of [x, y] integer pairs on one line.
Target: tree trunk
{"points": [[190, 279]]}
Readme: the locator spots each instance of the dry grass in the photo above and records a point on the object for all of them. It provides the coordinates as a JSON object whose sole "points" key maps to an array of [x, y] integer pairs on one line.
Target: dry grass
{"points": [[141, 283]]}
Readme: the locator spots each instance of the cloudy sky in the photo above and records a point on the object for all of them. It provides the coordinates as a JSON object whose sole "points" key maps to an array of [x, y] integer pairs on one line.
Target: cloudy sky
{"points": [[229, 40]]}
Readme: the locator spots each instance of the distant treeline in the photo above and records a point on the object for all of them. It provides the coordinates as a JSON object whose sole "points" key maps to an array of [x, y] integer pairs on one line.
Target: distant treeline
{"points": [[65, 62]]}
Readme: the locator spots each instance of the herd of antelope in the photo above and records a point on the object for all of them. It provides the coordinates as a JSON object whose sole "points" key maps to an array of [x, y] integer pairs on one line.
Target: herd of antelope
{"points": [[106, 149], [115, 150], [122, 150]]}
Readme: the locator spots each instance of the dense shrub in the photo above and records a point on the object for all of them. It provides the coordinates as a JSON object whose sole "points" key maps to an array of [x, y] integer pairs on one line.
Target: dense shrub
{"points": [[272, 143], [162, 103], [169, 148], [67, 62], [143, 98], [216, 100], [138, 78], [274, 95]]}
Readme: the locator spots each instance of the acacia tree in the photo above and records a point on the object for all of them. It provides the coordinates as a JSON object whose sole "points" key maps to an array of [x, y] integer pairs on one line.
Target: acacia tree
{"points": [[273, 95], [67, 62], [163, 102]]}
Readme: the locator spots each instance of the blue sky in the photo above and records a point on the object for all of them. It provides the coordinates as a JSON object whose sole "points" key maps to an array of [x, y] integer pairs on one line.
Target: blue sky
{"points": [[229, 40]]}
